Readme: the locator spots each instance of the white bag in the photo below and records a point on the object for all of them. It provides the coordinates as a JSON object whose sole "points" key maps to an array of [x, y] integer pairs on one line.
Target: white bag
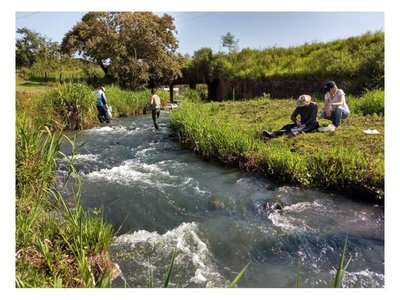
{"points": [[109, 112], [371, 131], [328, 128]]}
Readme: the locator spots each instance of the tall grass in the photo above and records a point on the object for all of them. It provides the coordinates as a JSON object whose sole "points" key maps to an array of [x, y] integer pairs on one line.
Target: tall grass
{"points": [[36, 151], [128, 103], [58, 243], [342, 267], [191, 95], [372, 102], [72, 106], [355, 63]]}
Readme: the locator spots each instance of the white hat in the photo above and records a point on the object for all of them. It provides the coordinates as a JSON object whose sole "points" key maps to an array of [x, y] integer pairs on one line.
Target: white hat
{"points": [[303, 100]]}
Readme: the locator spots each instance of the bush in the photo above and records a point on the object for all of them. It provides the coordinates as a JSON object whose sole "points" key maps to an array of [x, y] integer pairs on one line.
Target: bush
{"points": [[74, 104], [192, 95], [372, 102]]}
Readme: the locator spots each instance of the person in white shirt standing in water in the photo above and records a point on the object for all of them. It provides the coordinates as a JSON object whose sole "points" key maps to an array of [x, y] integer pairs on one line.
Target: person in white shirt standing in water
{"points": [[335, 108], [155, 103]]}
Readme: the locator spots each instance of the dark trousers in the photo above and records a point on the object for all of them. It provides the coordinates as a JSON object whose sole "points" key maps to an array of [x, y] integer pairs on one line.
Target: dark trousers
{"points": [[155, 114], [288, 127], [102, 114]]}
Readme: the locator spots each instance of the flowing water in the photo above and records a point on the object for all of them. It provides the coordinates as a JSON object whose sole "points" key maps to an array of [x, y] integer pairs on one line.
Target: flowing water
{"points": [[163, 199]]}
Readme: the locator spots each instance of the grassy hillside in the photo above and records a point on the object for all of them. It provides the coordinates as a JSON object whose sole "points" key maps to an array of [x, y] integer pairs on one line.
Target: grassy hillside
{"points": [[356, 64]]}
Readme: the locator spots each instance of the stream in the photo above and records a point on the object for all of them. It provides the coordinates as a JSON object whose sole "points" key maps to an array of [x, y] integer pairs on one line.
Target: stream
{"points": [[161, 199]]}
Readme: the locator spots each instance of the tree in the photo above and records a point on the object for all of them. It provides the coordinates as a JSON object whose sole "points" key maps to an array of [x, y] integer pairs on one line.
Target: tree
{"points": [[228, 40], [134, 48], [31, 47], [201, 65], [37, 52]]}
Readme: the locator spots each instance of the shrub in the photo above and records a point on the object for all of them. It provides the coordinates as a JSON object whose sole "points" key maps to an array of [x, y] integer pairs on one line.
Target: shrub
{"points": [[192, 95], [74, 104], [372, 102]]}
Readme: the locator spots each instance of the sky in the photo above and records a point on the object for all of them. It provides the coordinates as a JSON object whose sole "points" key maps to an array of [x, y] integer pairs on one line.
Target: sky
{"points": [[284, 23], [257, 30]]}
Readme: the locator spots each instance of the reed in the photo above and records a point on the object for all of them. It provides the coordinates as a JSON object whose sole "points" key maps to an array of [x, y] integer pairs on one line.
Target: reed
{"points": [[237, 278], [150, 278], [73, 105], [342, 267], [36, 152], [171, 267]]}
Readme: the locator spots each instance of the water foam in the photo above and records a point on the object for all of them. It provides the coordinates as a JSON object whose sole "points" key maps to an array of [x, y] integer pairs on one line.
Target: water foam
{"points": [[302, 206], [99, 129], [289, 223], [133, 171], [144, 152], [82, 158], [283, 218], [364, 278], [114, 129], [192, 254]]}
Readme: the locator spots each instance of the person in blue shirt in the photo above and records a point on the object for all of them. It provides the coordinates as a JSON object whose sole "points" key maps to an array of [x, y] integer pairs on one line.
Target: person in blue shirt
{"points": [[101, 104]]}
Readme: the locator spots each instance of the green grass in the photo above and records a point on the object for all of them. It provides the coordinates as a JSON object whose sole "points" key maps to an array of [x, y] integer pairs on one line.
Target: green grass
{"points": [[29, 86], [372, 102], [58, 243], [231, 132]]}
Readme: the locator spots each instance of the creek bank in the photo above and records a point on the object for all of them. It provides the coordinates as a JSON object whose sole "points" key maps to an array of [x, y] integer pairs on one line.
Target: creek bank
{"points": [[358, 192], [346, 161]]}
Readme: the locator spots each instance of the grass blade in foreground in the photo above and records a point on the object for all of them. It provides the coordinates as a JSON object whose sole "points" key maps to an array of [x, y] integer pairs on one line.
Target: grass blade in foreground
{"points": [[170, 270], [341, 267], [235, 281]]}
